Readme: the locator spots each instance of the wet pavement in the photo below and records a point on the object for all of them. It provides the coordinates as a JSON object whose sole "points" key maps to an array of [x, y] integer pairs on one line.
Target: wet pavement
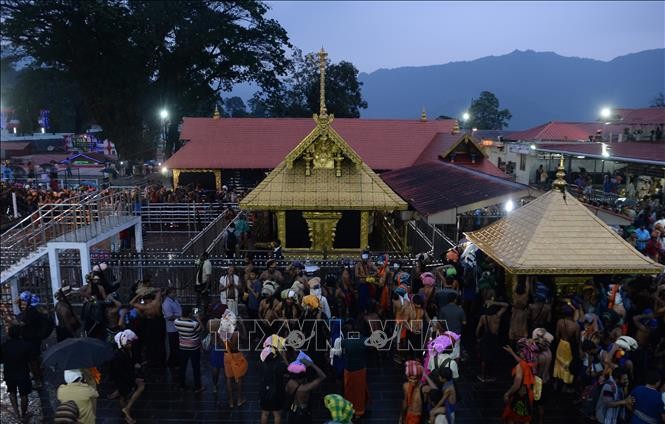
{"points": [[162, 402]]}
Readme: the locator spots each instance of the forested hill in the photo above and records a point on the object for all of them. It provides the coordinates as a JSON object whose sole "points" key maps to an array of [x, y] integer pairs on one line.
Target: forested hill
{"points": [[536, 86]]}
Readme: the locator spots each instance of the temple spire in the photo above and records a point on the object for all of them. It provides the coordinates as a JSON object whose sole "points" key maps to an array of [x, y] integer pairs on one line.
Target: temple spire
{"points": [[216, 114], [560, 182], [322, 71]]}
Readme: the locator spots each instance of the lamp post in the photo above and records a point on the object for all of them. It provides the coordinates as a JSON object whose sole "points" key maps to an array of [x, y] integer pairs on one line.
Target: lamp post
{"points": [[465, 118], [606, 115], [164, 116]]}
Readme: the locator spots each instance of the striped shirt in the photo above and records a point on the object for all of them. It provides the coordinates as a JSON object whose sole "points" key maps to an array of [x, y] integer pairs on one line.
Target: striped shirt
{"points": [[189, 332]]}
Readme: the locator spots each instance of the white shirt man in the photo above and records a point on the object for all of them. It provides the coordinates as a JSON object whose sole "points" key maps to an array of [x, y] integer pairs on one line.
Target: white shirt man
{"points": [[228, 290]]}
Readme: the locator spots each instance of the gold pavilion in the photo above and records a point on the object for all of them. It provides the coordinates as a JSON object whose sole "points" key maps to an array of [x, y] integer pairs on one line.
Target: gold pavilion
{"points": [[555, 234], [323, 194]]}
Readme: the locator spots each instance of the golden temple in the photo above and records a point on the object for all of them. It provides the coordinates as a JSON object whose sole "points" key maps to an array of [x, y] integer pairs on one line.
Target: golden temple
{"points": [[320, 187]]}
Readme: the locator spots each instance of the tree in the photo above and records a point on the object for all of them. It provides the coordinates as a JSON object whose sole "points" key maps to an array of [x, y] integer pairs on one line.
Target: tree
{"points": [[132, 58], [235, 107], [659, 100], [485, 113], [30, 90], [298, 94]]}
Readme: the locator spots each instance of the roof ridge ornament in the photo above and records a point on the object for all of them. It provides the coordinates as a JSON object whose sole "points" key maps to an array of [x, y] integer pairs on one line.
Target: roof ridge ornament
{"points": [[560, 182], [323, 113]]}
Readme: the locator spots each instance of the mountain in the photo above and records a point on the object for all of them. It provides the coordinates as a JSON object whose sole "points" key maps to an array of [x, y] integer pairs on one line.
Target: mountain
{"points": [[536, 86]]}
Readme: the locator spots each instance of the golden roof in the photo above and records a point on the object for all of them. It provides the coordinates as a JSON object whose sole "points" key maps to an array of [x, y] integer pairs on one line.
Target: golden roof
{"points": [[556, 234], [322, 173]]}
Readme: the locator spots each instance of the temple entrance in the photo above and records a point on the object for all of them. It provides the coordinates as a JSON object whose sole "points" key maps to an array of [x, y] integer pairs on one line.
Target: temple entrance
{"points": [[205, 179], [347, 234], [297, 231]]}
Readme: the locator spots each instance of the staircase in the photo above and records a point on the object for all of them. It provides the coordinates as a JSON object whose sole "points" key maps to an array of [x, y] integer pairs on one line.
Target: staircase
{"points": [[77, 222]]}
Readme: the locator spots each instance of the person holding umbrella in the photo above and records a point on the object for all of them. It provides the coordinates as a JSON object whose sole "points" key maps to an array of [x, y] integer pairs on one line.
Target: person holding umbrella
{"points": [[81, 393]]}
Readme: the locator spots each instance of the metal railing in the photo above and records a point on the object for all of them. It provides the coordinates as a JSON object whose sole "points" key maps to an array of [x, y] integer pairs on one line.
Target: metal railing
{"points": [[392, 237], [439, 240], [593, 195], [207, 237], [214, 247], [179, 217], [77, 222], [166, 269]]}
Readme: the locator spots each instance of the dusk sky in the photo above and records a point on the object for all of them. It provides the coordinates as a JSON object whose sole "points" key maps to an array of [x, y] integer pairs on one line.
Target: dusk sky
{"points": [[389, 34]]}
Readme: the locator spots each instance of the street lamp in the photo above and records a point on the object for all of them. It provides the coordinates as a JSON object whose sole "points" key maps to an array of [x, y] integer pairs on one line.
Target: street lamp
{"points": [[465, 118], [606, 115], [164, 116]]}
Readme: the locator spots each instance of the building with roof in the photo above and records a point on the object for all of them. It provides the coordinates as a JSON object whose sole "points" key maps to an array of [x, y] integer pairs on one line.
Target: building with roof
{"points": [[555, 234], [520, 153], [322, 193], [242, 150]]}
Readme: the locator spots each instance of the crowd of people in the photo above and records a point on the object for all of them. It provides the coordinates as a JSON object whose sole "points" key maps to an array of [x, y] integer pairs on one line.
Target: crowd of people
{"points": [[601, 343], [30, 198], [158, 193]]}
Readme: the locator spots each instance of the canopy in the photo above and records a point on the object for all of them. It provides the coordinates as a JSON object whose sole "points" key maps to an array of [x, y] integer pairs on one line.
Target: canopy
{"points": [[556, 234]]}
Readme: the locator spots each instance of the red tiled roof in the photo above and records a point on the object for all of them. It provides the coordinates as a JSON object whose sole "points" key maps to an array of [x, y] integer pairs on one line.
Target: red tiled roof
{"points": [[442, 143], [261, 143], [486, 167], [631, 151], [645, 116], [553, 130], [433, 187]]}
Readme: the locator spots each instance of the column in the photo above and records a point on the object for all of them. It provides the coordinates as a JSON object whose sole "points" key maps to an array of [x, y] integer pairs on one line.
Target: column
{"points": [[85, 262], [218, 179], [176, 178], [511, 281], [13, 288], [281, 227], [54, 267], [364, 229], [138, 236]]}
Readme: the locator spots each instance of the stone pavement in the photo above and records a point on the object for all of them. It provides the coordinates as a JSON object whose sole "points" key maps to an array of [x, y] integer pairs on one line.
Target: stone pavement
{"points": [[162, 402]]}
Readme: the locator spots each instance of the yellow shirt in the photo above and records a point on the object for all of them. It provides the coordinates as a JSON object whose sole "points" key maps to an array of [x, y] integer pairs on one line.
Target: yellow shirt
{"points": [[85, 398]]}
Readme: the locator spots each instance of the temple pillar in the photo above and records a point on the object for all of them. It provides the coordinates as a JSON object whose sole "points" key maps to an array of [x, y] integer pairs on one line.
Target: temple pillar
{"points": [[176, 178], [281, 227], [364, 229], [511, 281], [218, 179]]}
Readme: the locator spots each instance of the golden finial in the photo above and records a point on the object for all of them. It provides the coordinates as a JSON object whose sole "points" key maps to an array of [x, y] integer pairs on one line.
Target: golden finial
{"points": [[322, 71], [455, 127], [423, 114], [216, 114], [560, 182]]}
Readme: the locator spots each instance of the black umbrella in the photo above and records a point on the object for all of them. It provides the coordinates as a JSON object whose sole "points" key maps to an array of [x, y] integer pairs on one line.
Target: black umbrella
{"points": [[85, 352]]}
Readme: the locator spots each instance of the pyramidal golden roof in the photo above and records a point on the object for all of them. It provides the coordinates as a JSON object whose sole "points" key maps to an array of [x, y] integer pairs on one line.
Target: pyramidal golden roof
{"points": [[323, 173], [556, 234]]}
